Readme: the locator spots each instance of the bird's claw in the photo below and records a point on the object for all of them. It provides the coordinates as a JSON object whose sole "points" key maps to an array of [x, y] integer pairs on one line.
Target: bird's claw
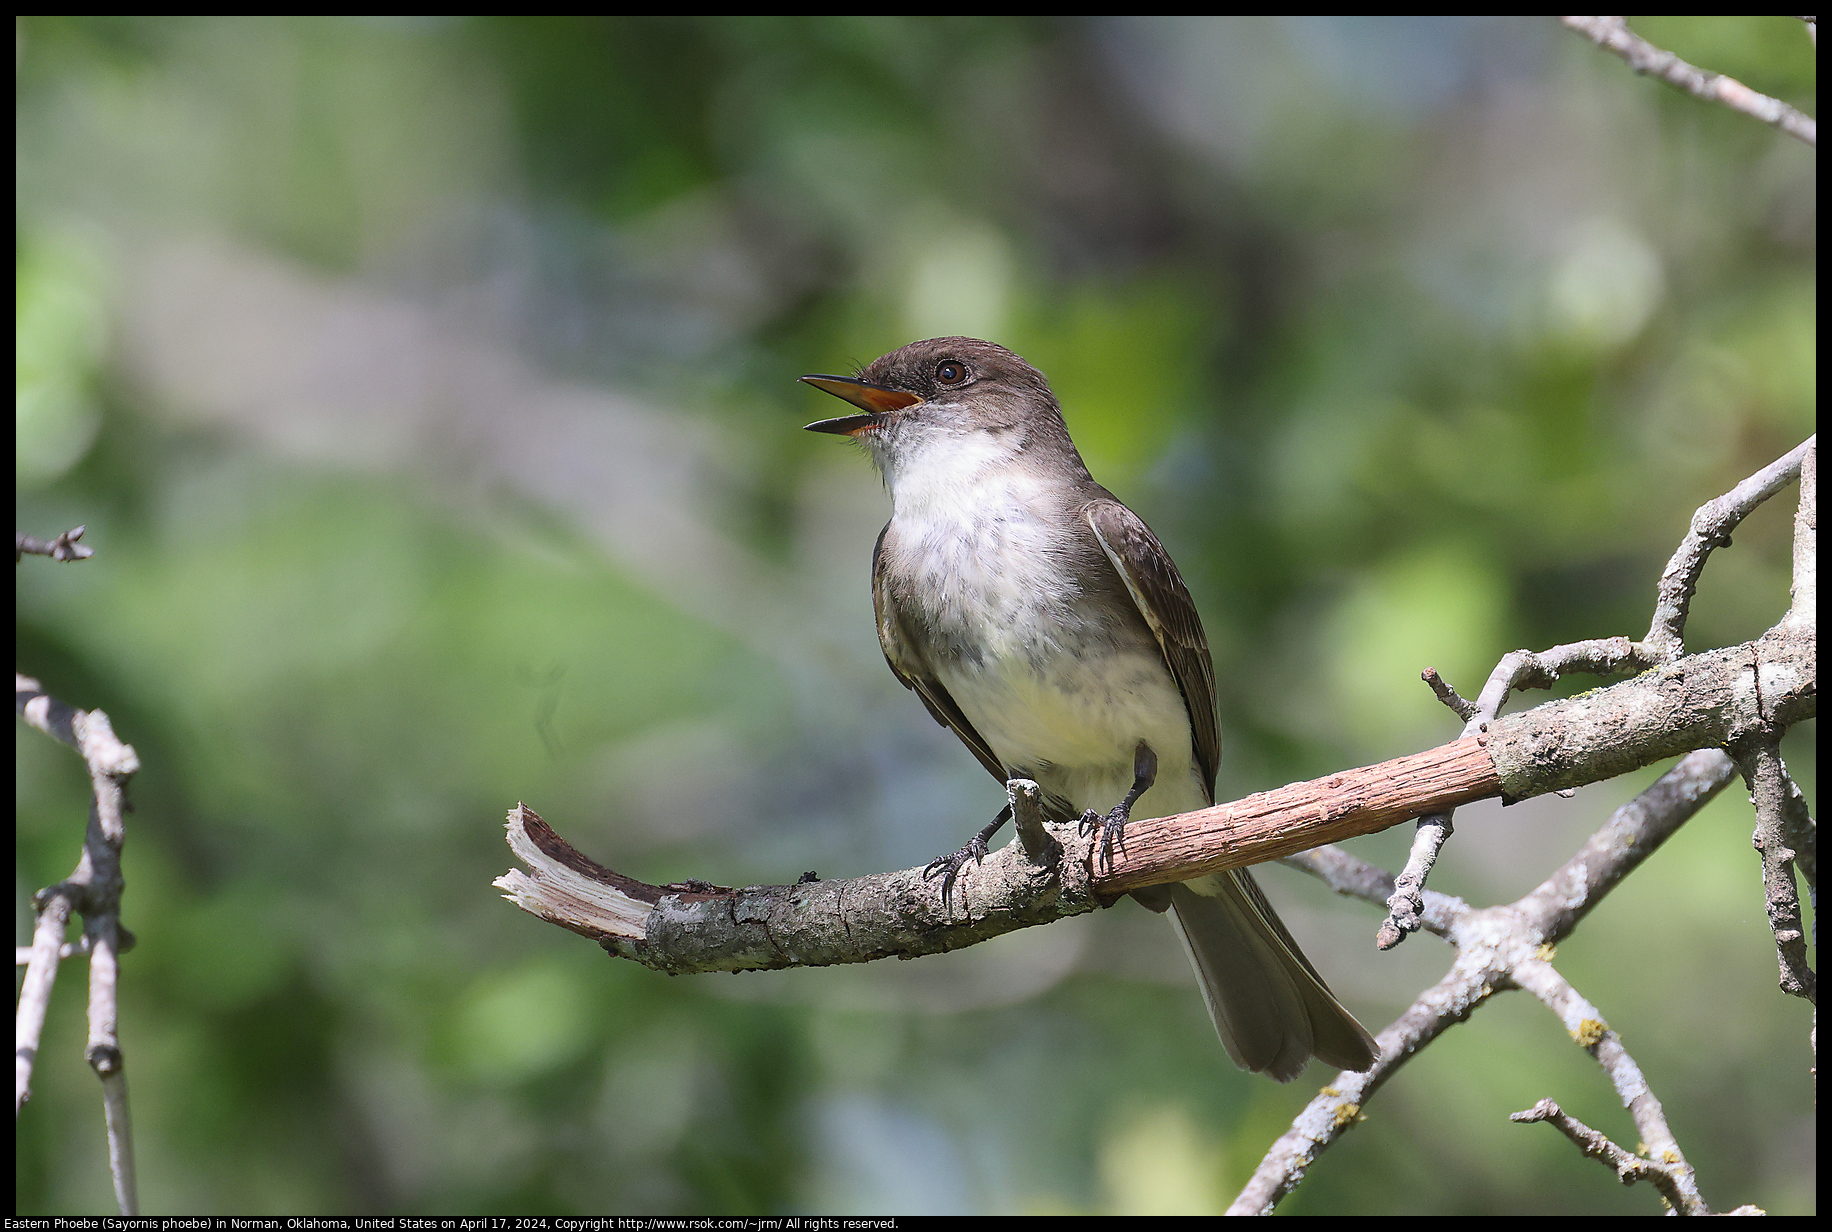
{"points": [[1111, 827], [951, 864]]}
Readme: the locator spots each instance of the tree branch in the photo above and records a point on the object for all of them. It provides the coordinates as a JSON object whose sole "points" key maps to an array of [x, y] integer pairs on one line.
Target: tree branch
{"points": [[1711, 525], [1612, 34], [94, 889], [1706, 700], [1676, 1183], [693, 926], [1710, 529], [698, 927], [1497, 948], [1774, 795], [1586, 1026]]}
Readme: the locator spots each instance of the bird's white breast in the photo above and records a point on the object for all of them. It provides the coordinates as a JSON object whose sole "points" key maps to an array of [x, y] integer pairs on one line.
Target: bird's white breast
{"points": [[1059, 689]]}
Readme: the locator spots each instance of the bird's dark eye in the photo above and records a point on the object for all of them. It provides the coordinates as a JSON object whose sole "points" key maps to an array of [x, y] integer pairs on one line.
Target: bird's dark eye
{"points": [[950, 372]]}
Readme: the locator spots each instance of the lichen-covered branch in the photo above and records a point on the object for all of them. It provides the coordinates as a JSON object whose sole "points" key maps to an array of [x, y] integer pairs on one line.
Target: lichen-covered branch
{"points": [[1498, 948], [1711, 526], [696, 927], [1674, 1179]]}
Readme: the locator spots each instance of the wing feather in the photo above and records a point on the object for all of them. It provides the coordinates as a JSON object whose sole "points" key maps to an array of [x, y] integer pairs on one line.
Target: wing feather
{"points": [[1158, 592]]}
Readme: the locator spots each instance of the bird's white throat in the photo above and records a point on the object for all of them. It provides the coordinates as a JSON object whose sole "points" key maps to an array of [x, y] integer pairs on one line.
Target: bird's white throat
{"points": [[934, 473]]}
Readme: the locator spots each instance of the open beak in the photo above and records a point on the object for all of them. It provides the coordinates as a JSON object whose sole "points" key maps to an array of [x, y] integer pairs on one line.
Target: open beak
{"points": [[875, 401]]}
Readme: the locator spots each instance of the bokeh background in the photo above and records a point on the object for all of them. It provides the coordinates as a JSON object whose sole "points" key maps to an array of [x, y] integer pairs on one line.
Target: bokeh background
{"points": [[427, 387]]}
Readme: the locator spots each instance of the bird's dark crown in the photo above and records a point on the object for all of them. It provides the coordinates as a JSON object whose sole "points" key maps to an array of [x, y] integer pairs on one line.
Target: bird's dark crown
{"points": [[922, 368]]}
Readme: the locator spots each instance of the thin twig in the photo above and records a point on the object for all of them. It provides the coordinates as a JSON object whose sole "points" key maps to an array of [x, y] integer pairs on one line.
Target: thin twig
{"points": [[1674, 1181], [1405, 907], [1711, 527], [1804, 589], [1612, 34], [1356, 878], [1464, 709], [53, 906], [1518, 669], [1772, 791], [104, 1056], [1563, 899], [1405, 900], [1584, 1022], [94, 889], [64, 547]]}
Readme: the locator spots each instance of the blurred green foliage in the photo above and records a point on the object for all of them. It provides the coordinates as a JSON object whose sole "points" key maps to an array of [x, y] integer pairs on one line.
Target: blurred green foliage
{"points": [[427, 387]]}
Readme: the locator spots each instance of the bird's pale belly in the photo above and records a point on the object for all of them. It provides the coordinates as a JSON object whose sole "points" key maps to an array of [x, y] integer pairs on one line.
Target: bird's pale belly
{"points": [[1074, 725]]}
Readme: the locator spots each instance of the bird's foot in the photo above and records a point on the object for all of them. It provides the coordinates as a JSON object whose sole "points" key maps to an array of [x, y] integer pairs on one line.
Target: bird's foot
{"points": [[950, 865], [1111, 828]]}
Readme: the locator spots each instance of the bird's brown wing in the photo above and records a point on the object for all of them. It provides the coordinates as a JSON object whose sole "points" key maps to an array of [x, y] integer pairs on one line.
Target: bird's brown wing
{"points": [[909, 668], [1158, 592]]}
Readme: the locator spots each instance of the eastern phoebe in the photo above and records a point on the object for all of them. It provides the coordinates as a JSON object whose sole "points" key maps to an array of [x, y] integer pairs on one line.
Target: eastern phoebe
{"points": [[1041, 620]]}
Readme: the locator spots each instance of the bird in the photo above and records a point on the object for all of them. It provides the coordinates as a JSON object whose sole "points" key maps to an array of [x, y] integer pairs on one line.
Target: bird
{"points": [[1041, 620]]}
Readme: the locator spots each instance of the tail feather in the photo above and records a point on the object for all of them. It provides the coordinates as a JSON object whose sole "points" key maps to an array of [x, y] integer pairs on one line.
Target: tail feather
{"points": [[1269, 1005]]}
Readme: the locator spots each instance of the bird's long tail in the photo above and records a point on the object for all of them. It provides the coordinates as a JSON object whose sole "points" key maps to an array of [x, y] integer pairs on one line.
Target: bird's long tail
{"points": [[1269, 1005]]}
